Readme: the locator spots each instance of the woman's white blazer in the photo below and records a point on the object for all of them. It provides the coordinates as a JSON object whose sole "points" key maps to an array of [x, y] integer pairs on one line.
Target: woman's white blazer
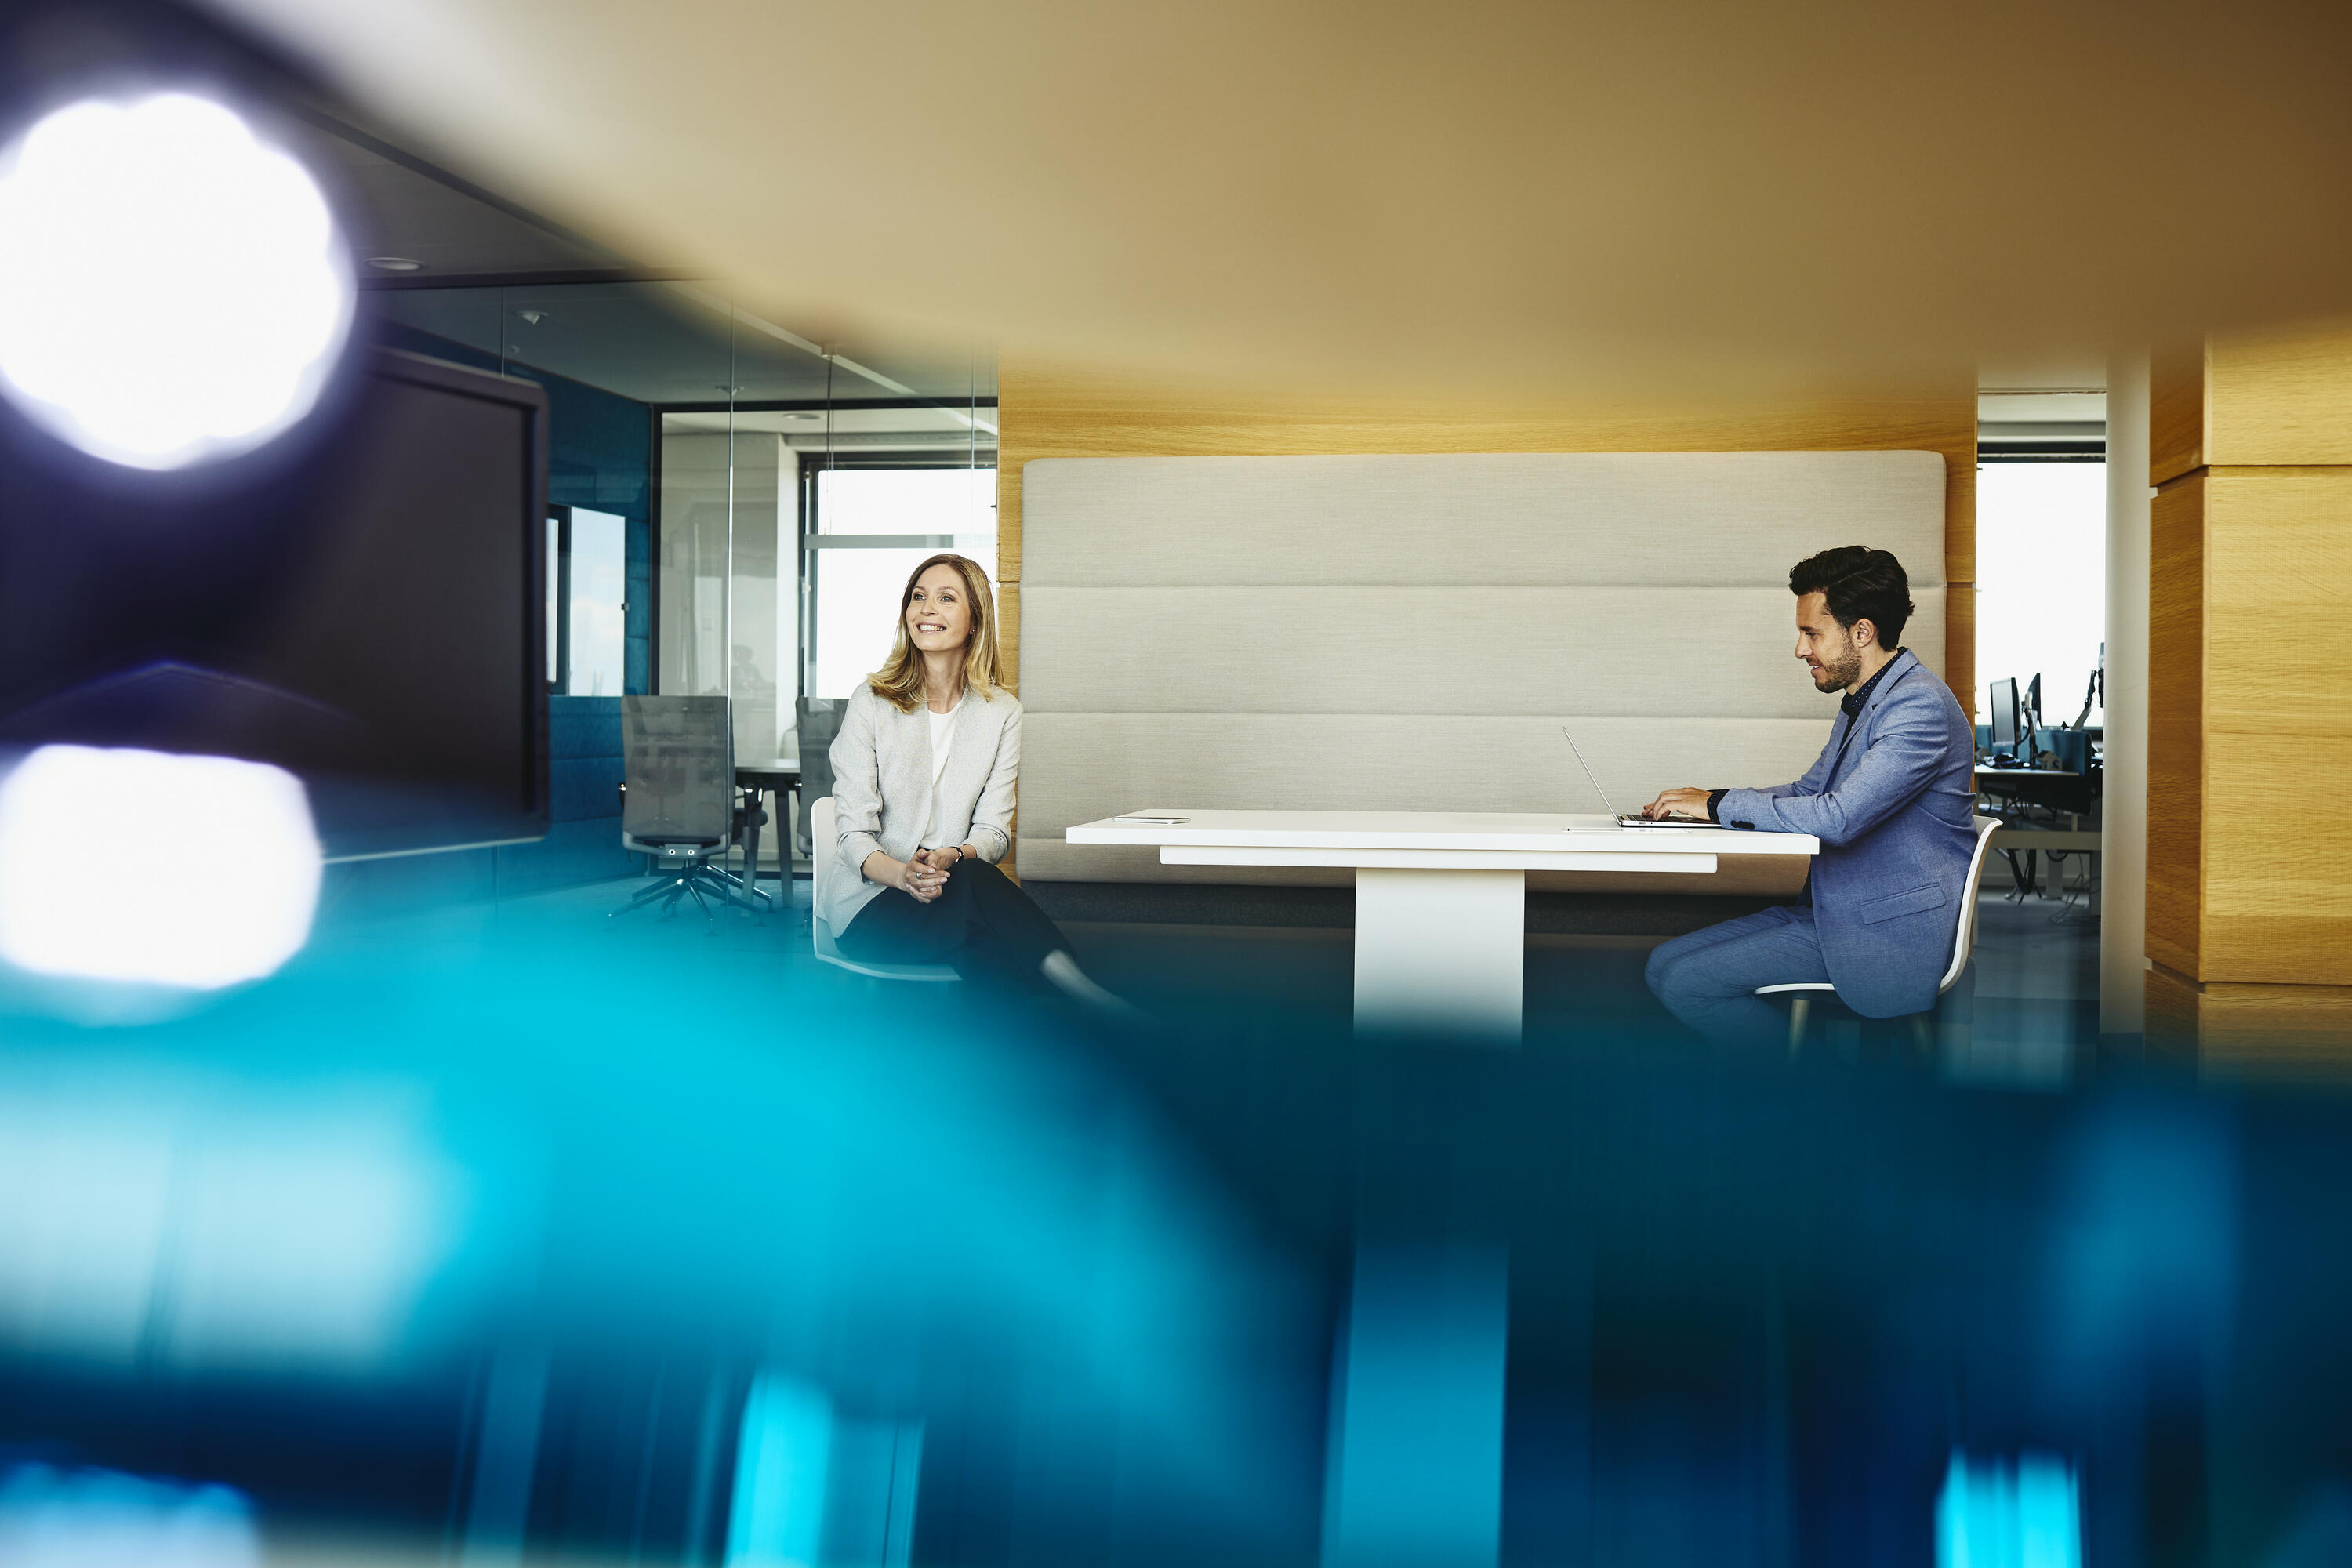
{"points": [[882, 788]]}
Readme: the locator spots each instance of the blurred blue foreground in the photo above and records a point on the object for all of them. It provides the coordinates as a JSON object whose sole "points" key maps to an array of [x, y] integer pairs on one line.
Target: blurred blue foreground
{"points": [[524, 1236]]}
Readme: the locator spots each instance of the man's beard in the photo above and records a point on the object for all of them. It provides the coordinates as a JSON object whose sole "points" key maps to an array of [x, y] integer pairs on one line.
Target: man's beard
{"points": [[1835, 676]]}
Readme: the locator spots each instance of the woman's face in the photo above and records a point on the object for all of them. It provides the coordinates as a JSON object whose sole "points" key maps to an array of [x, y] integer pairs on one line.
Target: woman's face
{"points": [[938, 620]]}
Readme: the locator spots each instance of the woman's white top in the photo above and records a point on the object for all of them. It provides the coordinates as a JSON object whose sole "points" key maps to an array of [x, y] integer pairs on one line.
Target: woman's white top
{"points": [[942, 742], [895, 788]]}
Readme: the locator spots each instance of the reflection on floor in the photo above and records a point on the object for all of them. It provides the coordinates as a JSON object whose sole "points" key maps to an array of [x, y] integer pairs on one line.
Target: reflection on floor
{"points": [[2034, 1007], [2036, 991], [2037, 979]]}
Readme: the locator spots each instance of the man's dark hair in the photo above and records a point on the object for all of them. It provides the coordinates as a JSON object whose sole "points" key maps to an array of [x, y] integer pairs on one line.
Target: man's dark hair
{"points": [[1862, 584]]}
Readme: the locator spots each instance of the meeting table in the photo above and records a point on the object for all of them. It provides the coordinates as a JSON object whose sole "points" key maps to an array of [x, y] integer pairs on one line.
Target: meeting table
{"points": [[1441, 897]]}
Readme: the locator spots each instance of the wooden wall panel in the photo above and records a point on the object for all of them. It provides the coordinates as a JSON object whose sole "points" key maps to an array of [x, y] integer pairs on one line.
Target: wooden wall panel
{"points": [[2250, 729], [1008, 620], [2297, 1029], [2277, 725], [1044, 411], [2175, 724], [2272, 399], [2281, 398], [1960, 639], [2176, 412]]}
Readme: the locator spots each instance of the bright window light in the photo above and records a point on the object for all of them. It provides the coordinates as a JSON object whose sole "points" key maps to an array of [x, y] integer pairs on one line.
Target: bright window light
{"points": [[600, 588], [2042, 573], [197, 872], [172, 289], [857, 589]]}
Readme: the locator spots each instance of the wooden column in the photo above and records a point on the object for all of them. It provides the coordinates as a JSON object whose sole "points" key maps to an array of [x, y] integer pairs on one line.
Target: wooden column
{"points": [[2250, 696]]}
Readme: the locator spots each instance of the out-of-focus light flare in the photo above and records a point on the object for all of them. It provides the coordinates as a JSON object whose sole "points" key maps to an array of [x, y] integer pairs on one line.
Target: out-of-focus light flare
{"points": [[812, 1487], [172, 289], [193, 1230], [2026, 1514], [103, 1518], [121, 865]]}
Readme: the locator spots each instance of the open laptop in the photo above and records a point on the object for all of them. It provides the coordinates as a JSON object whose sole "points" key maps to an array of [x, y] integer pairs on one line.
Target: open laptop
{"points": [[1627, 819]]}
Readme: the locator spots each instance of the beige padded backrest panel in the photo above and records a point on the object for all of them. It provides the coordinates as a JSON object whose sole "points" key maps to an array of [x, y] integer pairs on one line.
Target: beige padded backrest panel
{"points": [[1399, 632]]}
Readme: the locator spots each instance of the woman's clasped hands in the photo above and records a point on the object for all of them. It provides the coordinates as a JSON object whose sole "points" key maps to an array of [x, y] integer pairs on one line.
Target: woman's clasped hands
{"points": [[925, 876]]}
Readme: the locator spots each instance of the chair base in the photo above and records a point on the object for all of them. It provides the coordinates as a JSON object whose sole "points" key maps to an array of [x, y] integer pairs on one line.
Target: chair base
{"points": [[702, 882]]}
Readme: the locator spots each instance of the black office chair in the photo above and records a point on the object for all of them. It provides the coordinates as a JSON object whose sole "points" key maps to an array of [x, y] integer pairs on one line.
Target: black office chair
{"points": [[819, 720], [679, 804]]}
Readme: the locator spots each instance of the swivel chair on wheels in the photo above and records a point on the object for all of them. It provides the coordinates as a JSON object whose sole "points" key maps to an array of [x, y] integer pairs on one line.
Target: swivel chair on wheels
{"points": [[681, 805]]}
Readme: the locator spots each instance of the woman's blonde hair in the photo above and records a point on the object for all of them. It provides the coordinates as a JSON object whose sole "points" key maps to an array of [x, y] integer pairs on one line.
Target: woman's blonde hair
{"points": [[900, 681]]}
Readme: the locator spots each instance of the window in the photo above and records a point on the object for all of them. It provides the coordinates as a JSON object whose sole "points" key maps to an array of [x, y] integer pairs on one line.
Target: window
{"points": [[873, 527], [587, 589], [2042, 572]]}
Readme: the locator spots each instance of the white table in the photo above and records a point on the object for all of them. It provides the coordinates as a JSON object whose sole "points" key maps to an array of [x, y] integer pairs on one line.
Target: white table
{"points": [[1441, 897]]}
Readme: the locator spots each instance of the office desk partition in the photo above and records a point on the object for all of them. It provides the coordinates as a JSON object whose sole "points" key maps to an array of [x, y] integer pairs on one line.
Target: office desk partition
{"points": [[1441, 897]]}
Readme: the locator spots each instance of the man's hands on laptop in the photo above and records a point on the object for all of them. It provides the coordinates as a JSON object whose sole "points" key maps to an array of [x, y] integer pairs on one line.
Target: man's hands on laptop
{"points": [[1687, 802]]}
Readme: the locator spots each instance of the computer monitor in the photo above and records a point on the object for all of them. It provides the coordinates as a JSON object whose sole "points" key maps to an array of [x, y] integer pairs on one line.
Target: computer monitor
{"points": [[2004, 716], [2034, 705], [365, 608]]}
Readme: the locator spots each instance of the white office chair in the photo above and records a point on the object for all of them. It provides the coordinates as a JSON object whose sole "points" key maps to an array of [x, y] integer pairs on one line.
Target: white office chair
{"points": [[823, 867], [1964, 941]]}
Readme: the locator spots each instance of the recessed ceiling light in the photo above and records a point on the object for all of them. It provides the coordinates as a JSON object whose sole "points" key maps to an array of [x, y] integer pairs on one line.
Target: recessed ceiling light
{"points": [[809, 418], [395, 264]]}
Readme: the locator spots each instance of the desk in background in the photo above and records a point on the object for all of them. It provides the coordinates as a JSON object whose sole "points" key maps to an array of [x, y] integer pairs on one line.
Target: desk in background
{"points": [[780, 777], [2054, 789], [1441, 897]]}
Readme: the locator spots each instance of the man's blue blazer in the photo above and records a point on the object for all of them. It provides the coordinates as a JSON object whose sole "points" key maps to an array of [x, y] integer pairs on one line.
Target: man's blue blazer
{"points": [[1895, 815]]}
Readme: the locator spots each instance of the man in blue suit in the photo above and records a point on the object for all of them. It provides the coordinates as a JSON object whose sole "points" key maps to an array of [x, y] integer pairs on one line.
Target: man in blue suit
{"points": [[1891, 800]]}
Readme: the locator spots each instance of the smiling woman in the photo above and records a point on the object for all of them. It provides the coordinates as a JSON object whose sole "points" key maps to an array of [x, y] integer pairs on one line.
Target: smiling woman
{"points": [[923, 777]]}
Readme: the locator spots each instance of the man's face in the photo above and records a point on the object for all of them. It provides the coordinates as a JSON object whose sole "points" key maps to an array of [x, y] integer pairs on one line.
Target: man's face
{"points": [[1828, 648]]}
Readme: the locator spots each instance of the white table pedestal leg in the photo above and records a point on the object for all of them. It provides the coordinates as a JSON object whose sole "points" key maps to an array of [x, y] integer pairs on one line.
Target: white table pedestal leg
{"points": [[1441, 952]]}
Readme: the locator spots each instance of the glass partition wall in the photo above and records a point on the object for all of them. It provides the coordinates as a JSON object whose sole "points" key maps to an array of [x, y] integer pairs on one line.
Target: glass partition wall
{"points": [[735, 505]]}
